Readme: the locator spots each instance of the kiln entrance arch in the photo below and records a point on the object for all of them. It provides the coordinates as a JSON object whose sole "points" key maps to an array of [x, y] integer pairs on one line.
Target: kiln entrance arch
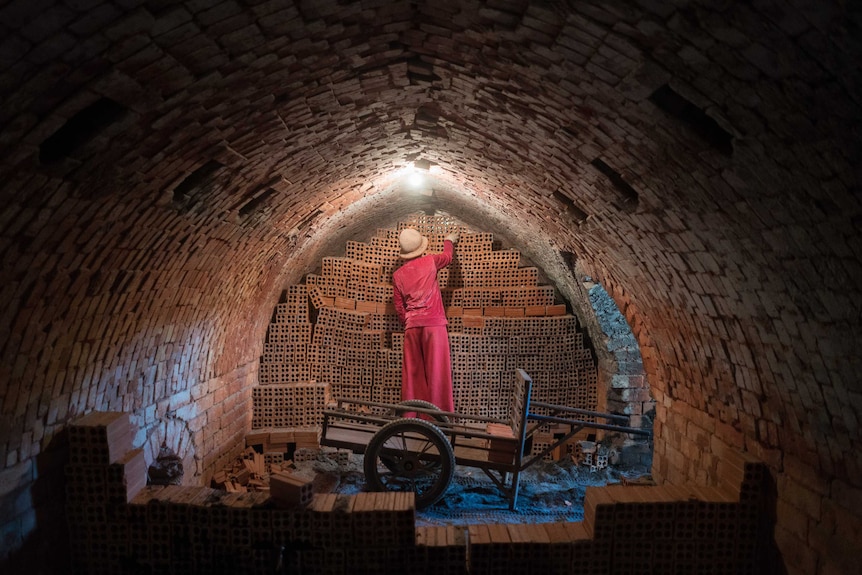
{"points": [[336, 335]]}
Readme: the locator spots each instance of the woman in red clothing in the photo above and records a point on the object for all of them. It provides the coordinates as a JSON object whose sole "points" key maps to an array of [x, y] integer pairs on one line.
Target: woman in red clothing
{"points": [[426, 371]]}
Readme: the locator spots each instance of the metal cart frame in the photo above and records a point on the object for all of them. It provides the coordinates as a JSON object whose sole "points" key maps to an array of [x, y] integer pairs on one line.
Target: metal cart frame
{"points": [[419, 454]]}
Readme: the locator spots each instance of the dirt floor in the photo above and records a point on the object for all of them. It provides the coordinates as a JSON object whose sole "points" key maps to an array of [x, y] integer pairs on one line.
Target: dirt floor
{"points": [[549, 492]]}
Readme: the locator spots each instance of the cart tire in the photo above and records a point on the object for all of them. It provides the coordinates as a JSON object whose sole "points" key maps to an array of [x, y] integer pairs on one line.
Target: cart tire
{"points": [[424, 405], [410, 455]]}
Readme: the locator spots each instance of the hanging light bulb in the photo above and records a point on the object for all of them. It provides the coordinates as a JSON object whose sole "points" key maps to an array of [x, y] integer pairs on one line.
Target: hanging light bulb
{"points": [[415, 179]]}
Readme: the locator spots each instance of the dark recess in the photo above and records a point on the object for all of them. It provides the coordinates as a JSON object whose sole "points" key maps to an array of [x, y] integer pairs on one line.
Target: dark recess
{"points": [[573, 210], [707, 128], [80, 129], [188, 191], [627, 193], [257, 202]]}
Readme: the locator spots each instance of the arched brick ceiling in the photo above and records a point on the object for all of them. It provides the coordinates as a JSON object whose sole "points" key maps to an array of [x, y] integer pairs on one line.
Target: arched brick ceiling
{"points": [[700, 159]]}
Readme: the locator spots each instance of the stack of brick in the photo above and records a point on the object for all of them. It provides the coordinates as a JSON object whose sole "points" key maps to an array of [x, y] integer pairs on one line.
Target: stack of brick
{"points": [[352, 357], [288, 337], [486, 353], [118, 524], [289, 405], [361, 533], [630, 529], [289, 395], [441, 550], [183, 529], [500, 319], [103, 474]]}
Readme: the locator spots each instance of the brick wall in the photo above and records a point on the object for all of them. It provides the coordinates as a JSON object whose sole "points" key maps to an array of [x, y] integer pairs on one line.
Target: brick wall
{"points": [[623, 385], [117, 524], [338, 335]]}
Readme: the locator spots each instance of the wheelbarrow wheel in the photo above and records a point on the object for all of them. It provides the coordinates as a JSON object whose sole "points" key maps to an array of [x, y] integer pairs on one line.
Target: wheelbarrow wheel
{"points": [[410, 455], [421, 403]]}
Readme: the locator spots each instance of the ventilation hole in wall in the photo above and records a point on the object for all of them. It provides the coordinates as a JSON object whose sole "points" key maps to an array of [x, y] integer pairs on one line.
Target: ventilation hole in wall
{"points": [[576, 213], [94, 283], [423, 164], [427, 116], [421, 72], [80, 129], [305, 222], [258, 201], [426, 120], [189, 191], [627, 194], [706, 127]]}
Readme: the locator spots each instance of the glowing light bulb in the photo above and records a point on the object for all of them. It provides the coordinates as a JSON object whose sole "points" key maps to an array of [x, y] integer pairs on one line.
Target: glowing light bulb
{"points": [[415, 179]]}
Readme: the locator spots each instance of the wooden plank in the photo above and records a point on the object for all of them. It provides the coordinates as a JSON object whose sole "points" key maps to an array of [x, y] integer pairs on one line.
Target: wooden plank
{"points": [[350, 438], [466, 455]]}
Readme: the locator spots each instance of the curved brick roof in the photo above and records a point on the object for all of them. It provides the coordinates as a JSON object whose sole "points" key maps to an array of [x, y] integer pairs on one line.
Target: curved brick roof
{"points": [[167, 167]]}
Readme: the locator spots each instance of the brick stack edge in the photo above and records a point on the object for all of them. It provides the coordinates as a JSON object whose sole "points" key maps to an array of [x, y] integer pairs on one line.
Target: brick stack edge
{"points": [[117, 524]]}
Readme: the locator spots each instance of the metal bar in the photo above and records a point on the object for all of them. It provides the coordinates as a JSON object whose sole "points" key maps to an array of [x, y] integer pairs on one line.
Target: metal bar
{"points": [[445, 427], [357, 416], [590, 424], [564, 409], [510, 491], [500, 483], [425, 410]]}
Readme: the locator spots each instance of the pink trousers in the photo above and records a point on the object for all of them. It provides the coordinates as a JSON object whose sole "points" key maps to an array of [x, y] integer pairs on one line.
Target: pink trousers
{"points": [[426, 371]]}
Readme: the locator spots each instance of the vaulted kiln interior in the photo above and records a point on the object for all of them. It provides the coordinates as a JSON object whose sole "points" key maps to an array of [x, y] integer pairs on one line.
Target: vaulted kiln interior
{"points": [[169, 168]]}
